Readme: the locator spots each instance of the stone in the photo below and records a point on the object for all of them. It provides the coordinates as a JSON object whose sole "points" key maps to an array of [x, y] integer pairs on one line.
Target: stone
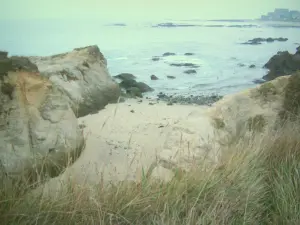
{"points": [[88, 89], [153, 77], [37, 126], [155, 58], [168, 54], [191, 65], [134, 92], [189, 53], [190, 71], [171, 77], [241, 64], [252, 66], [125, 76]]}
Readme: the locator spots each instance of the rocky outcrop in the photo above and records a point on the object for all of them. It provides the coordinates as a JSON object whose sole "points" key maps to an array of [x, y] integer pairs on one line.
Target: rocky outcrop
{"points": [[38, 128], [258, 41], [132, 87], [283, 63], [82, 76]]}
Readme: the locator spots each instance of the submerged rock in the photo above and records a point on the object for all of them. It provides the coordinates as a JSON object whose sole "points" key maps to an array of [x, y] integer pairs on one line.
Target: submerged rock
{"points": [[252, 66], [171, 77], [168, 54], [190, 71], [258, 41], [153, 77], [191, 65], [155, 58], [125, 76], [189, 53]]}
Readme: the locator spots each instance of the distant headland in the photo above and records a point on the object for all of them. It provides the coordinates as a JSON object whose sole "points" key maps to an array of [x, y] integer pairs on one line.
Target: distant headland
{"points": [[282, 15]]}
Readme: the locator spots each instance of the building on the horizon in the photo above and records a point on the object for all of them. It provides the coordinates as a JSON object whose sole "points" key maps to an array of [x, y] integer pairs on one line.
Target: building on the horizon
{"points": [[282, 15]]}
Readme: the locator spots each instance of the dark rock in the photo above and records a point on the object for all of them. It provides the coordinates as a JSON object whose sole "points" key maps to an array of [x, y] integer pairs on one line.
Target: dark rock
{"points": [[153, 77], [170, 103], [258, 81], [257, 41], [155, 58], [132, 111], [126, 84], [3, 55], [252, 66], [168, 54], [144, 87], [125, 76], [171, 77], [23, 64], [283, 63], [189, 53], [174, 25], [190, 71], [151, 103], [191, 65], [134, 92], [241, 64]]}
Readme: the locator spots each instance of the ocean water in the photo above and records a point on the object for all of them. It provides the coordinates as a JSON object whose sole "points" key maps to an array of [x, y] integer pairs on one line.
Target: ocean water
{"points": [[216, 46]]}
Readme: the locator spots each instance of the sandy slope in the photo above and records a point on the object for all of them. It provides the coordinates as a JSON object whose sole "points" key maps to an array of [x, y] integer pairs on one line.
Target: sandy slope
{"points": [[120, 141]]}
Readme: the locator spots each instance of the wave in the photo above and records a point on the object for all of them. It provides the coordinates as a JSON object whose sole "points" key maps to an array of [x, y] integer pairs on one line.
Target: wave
{"points": [[174, 25]]}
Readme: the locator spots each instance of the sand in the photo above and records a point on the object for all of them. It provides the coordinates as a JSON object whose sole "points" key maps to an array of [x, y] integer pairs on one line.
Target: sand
{"points": [[126, 138]]}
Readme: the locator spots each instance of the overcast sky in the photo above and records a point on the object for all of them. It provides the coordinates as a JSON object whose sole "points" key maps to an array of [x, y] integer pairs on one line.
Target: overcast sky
{"points": [[142, 10]]}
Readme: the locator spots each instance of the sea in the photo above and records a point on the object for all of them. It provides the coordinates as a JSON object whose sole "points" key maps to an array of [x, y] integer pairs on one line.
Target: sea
{"points": [[129, 47]]}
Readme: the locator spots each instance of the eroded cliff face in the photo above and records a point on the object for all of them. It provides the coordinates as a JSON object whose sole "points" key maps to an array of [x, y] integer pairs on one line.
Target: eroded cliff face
{"points": [[82, 76], [38, 128]]}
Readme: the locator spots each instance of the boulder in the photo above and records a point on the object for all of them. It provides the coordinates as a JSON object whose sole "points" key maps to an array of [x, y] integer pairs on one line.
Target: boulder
{"points": [[125, 76], [82, 75], [252, 66], [283, 63], [127, 84], [153, 77], [37, 126]]}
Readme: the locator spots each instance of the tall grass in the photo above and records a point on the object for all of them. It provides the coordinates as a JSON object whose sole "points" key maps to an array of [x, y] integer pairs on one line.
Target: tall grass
{"points": [[256, 182]]}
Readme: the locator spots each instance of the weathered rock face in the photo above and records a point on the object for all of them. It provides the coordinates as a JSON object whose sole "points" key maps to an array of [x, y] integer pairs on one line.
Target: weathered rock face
{"points": [[82, 76], [36, 124], [283, 63]]}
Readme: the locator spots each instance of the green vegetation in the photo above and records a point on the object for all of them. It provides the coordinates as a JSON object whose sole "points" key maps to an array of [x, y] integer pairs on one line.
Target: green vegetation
{"points": [[256, 123], [291, 102], [219, 123], [267, 89], [256, 182]]}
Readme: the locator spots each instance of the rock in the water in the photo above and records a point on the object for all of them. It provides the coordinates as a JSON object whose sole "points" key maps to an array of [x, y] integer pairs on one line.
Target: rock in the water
{"points": [[153, 77], [133, 92], [258, 41], [189, 53], [283, 63], [37, 125], [171, 77], [252, 66], [168, 54], [155, 58], [144, 87], [191, 65], [89, 89], [241, 64], [125, 76], [190, 71]]}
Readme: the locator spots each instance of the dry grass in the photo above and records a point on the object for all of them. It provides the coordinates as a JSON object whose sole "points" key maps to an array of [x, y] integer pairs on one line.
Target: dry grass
{"points": [[257, 182]]}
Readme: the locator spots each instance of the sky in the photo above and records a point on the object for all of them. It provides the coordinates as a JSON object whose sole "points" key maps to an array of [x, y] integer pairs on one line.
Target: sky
{"points": [[140, 10]]}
